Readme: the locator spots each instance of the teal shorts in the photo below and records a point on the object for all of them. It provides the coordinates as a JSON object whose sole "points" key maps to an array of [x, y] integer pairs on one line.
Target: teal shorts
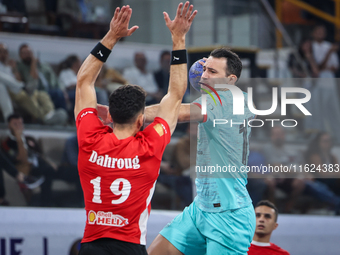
{"points": [[195, 232]]}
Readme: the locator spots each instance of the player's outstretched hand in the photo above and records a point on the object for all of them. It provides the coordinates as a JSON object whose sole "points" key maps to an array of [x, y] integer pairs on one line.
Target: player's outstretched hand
{"points": [[183, 20], [119, 25]]}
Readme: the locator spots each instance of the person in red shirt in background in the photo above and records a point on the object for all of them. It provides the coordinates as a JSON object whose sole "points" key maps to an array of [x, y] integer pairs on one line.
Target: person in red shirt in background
{"points": [[118, 167], [266, 222]]}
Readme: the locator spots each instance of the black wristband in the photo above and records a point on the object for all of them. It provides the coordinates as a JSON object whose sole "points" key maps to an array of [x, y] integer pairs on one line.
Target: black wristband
{"points": [[178, 57], [101, 52]]}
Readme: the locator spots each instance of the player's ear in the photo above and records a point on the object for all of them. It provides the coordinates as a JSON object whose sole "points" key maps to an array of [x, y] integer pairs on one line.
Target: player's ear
{"points": [[140, 121], [232, 79], [276, 225]]}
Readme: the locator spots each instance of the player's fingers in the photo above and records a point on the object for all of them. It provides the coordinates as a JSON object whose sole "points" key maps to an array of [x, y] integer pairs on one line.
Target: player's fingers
{"points": [[166, 18], [132, 30], [185, 8], [126, 15], [191, 7], [192, 16], [122, 11], [179, 10], [115, 16]]}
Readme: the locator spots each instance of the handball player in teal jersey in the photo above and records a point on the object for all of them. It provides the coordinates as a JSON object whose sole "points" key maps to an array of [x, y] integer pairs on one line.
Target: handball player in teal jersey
{"points": [[221, 220]]}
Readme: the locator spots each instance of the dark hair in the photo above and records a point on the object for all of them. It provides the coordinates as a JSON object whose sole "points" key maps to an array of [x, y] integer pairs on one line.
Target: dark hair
{"points": [[125, 103], [22, 46], [13, 116], [300, 51], [68, 62], [234, 64], [269, 204], [163, 53]]}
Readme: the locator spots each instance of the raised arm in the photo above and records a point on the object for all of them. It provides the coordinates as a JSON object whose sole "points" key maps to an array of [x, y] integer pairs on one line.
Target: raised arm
{"points": [[187, 113], [170, 104], [88, 73]]}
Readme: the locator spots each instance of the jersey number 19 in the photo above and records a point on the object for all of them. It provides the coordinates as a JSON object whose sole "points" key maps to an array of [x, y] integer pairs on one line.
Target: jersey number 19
{"points": [[124, 191]]}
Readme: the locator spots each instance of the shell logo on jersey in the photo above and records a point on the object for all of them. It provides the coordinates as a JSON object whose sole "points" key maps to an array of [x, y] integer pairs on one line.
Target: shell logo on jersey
{"points": [[160, 129], [107, 219]]}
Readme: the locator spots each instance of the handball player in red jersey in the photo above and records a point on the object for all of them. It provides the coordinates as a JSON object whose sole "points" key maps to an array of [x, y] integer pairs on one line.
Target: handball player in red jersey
{"points": [[266, 222], [118, 167]]}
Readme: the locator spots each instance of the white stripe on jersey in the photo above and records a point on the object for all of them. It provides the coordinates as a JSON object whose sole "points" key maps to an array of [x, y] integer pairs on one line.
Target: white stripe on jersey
{"points": [[143, 220]]}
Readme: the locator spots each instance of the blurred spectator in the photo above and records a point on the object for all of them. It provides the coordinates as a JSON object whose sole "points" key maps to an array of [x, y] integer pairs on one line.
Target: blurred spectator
{"points": [[12, 171], [24, 152], [308, 68], [324, 53], [319, 151], [8, 81], [319, 154], [114, 79], [266, 222], [68, 169], [176, 175], [68, 70], [306, 54], [276, 154], [324, 93], [163, 74], [31, 69], [36, 103], [138, 75], [256, 186]]}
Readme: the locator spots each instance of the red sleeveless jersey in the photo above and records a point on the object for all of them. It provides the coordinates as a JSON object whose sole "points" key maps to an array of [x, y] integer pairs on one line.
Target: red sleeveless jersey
{"points": [[118, 177]]}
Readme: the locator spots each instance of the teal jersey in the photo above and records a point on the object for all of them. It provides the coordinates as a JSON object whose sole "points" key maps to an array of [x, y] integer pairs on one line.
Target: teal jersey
{"points": [[222, 150]]}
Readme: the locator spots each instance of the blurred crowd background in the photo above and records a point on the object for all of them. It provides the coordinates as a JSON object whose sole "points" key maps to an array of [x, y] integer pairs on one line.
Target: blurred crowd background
{"points": [[281, 43]]}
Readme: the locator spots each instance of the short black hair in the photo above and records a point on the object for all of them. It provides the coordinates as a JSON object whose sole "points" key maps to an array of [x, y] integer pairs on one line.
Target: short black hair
{"points": [[125, 103], [164, 53], [13, 116], [269, 204], [68, 62], [22, 46], [234, 64]]}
